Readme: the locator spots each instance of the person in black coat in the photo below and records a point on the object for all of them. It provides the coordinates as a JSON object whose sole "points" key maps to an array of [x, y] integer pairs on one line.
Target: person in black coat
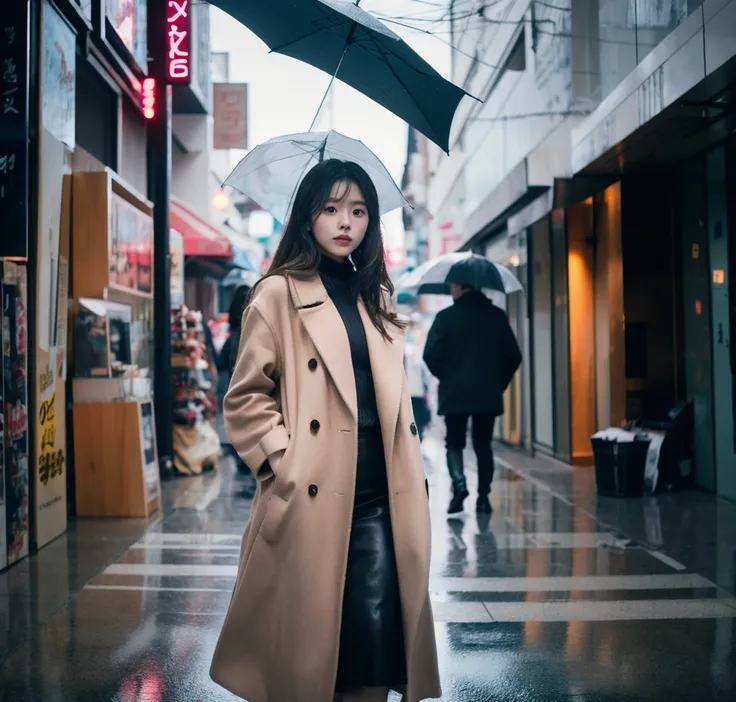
{"points": [[227, 357], [471, 349], [229, 351]]}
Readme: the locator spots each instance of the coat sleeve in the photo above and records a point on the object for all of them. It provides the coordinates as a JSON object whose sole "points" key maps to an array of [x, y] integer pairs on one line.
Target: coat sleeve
{"points": [[253, 419], [434, 348]]}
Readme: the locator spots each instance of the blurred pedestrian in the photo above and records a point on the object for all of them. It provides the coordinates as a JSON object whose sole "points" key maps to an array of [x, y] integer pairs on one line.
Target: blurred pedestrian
{"points": [[226, 364], [318, 408], [417, 376], [229, 351], [471, 349]]}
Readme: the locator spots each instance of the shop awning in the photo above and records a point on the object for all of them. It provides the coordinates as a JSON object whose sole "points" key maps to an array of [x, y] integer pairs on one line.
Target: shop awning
{"points": [[200, 237]]}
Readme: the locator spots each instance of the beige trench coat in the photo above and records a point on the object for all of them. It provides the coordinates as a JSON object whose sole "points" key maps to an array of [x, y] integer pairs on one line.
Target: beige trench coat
{"points": [[293, 388]]}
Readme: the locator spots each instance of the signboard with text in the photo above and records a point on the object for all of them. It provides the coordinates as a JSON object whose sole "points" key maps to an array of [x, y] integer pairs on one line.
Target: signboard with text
{"points": [[48, 451], [230, 115], [178, 42], [14, 130]]}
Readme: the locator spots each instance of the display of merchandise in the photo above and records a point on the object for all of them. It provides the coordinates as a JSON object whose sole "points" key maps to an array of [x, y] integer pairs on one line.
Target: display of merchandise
{"points": [[14, 486], [102, 340], [196, 445]]}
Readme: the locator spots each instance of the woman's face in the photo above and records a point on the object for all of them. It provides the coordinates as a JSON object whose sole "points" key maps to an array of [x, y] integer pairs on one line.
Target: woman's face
{"points": [[341, 225]]}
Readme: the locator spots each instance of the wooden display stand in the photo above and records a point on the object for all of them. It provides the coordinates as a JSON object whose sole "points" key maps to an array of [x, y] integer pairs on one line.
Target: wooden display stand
{"points": [[112, 474], [113, 468]]}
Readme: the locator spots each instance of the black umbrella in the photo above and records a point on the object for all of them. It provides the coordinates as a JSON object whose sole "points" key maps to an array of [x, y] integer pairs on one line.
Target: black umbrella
{"points": [[345, 41], [435, 277]]}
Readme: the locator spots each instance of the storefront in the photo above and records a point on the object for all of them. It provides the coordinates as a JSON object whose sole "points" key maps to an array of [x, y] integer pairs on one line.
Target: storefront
{"points": [[511, 251], [708, 211]]}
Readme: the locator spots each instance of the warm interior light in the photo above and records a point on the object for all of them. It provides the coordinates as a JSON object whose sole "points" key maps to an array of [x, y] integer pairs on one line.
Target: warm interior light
{"points": [[220, 200]]}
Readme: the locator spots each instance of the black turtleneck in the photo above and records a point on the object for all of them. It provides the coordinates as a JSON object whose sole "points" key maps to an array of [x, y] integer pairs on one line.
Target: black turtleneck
{"points": [[337, 279]]}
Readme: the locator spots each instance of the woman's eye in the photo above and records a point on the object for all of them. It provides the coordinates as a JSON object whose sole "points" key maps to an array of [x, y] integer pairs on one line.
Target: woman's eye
{"points": [[330, 209], [358, 212]]}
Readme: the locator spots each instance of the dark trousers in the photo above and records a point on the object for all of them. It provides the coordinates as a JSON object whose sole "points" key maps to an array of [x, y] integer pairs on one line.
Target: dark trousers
{"points": [[421, 414], [482, 433]]}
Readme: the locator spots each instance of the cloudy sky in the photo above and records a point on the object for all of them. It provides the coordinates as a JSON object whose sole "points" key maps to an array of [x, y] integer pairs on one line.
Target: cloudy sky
{"points": [[284, 94]]}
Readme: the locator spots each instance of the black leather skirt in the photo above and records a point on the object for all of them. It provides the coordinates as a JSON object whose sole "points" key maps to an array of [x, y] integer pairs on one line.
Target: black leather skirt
{"points": [[371, 637]]}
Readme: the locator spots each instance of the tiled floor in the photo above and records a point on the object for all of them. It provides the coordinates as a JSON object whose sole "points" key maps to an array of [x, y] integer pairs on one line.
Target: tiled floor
{"points": [[558, 595]]}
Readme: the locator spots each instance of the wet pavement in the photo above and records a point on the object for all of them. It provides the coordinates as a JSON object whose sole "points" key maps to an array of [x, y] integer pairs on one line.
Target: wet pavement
{"points": [[558, 595]]}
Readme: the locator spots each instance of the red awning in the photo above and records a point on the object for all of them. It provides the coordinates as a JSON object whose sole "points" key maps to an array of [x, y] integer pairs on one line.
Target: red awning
{"points": [[200, 237]]}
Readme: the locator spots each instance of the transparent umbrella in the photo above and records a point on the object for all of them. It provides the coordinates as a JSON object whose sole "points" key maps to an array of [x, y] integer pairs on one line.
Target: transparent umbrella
{"points": [[271, 173], [435, 277]]}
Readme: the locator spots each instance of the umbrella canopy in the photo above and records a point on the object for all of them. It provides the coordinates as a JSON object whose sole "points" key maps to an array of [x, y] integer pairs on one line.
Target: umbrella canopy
{"points": [[341, 39], [435, 277], [271, 173]]}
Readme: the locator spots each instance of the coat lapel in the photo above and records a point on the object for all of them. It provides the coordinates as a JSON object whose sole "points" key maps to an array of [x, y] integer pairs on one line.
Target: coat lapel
{"points": [[387, 366], [327, 332]]}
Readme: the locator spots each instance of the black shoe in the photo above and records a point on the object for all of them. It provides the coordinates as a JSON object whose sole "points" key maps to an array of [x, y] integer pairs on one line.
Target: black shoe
{"points": [[456, 503], [483, 506]]}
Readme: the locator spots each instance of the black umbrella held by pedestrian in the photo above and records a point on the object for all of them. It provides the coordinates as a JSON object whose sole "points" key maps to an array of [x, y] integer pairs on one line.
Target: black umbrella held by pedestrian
{"points": [[464, 268], [351, 44]]}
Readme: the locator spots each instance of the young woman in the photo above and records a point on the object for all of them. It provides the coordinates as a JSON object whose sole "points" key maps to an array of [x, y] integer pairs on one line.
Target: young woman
{"points": [[331, 600]]}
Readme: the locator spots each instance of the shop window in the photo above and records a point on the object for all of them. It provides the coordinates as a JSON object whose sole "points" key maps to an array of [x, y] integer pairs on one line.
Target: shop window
{"points": [[96, 115]]}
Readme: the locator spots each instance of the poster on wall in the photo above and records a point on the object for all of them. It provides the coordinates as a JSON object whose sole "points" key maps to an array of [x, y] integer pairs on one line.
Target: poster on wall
{"points": [[54, 155], [3, 528], [129, 20], [150, 461], [15, 411], [49, 447], [59, 65]]}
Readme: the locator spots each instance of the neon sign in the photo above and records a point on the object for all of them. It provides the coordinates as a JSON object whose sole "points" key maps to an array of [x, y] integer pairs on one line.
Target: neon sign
{"points": [[178, 41], [148, 98]]}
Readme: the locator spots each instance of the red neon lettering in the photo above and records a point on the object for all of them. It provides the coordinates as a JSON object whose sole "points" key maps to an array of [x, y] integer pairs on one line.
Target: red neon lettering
{"points": [[178, 40], [181, 10]]}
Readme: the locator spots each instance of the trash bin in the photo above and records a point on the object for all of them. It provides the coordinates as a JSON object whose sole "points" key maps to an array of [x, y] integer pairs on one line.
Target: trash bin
{"points": [[671, 467], [619, 466]]}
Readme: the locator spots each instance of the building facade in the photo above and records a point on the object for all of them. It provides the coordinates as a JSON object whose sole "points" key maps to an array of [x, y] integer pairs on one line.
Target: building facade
{"points": [[601, 166]]}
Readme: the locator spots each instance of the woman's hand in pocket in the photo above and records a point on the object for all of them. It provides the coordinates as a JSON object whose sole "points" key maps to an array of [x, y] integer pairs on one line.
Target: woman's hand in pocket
{"points": [[271, 467]]}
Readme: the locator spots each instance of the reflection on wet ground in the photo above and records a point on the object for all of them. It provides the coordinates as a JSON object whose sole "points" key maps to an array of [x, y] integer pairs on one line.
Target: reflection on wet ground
{"points": [[556, 596]]}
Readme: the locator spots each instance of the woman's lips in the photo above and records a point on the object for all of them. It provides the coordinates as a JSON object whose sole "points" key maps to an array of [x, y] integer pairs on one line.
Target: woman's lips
{"points": [[343, 240]]}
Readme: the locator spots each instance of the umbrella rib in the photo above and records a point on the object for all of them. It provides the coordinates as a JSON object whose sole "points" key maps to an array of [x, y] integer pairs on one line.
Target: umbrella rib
{"points": [[330, 25], [334, 75], [296, 187], [263, 165]]}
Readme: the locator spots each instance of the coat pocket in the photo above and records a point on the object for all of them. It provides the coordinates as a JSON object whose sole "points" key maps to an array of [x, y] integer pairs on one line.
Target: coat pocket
{"points": [[272, 526]]}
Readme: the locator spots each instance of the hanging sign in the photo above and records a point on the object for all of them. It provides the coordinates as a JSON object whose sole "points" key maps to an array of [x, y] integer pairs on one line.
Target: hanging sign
{"points": [[230, 115], [178, 42]]}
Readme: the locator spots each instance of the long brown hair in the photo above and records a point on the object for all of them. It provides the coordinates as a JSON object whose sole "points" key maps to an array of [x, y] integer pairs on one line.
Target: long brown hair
{"points": [[298, 254]]}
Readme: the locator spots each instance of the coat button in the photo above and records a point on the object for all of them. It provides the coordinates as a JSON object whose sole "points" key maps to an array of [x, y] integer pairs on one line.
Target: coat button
{"points": [[312, 364], [413, 428], [314, 426], [313, 490]]}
